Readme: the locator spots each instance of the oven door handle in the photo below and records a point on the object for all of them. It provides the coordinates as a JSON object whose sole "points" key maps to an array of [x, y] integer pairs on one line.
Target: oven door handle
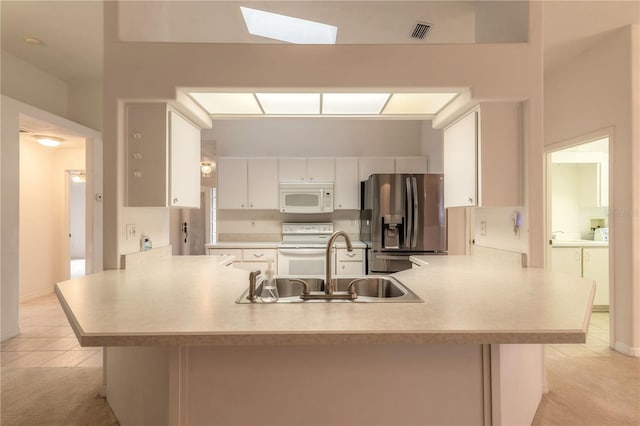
{"points": [[302, 251]]}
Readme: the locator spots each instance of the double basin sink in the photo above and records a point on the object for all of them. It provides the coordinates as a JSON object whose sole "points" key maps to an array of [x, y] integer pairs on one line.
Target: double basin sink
{"points": [[370, 288]]}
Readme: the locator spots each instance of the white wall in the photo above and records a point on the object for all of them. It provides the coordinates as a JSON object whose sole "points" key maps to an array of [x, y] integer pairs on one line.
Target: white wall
{"points": [[596, 91], [301, 137], [85, 102], [26, 83]]}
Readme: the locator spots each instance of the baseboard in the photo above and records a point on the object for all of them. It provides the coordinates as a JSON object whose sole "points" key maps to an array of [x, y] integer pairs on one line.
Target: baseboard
{"points": [[627, 350], [35, 295]]}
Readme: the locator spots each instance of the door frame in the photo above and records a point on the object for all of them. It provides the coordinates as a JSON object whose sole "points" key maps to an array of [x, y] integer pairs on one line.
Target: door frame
{"points": [[609, 133]]}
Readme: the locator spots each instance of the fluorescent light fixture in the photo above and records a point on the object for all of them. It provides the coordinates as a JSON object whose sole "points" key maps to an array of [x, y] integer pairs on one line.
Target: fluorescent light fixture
{"points": [[50, 141], [353, 103], [417, 103], [287, 28], [290, 103], [78, 177], [228, 103]]}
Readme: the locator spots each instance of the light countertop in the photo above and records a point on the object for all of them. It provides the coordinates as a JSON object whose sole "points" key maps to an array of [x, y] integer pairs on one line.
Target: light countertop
{"points": [[274, 245], [191, 300], [579, 243]]}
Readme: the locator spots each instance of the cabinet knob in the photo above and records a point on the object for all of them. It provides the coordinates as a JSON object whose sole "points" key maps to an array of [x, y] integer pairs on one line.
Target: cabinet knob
{"points": [[470, 200], [137, 135], [137, 156], [241, 205], [175, 200], [137, 173], [350, 254], [251, 205], [310, 178], [339, 205], [258, 254]]}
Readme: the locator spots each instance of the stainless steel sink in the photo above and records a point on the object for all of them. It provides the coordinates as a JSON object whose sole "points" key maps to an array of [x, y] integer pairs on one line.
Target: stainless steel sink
{"points": [[369, 289]]}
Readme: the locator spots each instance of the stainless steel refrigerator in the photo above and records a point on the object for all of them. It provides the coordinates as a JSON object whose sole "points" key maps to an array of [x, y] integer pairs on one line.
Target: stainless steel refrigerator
{"points": [[402, 215]]}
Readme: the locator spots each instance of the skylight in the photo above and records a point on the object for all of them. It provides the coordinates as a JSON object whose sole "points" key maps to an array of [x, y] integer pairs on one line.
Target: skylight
{"points": [[353, 103], [290, 103], [287, 28], [228, 103]]}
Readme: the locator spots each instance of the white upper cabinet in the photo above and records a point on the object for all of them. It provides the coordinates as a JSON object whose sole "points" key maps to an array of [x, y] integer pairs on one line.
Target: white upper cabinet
{"points": [[263, 186], [247, 183], [347, 184], [415, 165], [369, 166], [460, 141], [185, 162], [320, 170], [232, 183], [482, 157], [306, 169], [162, 157]]}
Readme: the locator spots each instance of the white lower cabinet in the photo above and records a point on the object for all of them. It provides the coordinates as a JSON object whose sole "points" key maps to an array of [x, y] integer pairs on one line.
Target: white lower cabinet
{"points": [[249, 259], [585, 262], [350, 262]]}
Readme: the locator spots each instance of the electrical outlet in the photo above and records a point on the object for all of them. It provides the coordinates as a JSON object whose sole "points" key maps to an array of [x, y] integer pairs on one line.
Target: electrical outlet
{"points": [[483, 228], [131, 231]]}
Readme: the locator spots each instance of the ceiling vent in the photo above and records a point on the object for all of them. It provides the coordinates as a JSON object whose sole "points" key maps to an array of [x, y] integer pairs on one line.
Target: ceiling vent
{"points": [[421, 30]]}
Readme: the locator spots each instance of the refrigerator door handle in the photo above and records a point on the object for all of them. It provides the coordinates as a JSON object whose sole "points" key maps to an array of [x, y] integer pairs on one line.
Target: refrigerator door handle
{"points": [[408, 232], [414, 227]]}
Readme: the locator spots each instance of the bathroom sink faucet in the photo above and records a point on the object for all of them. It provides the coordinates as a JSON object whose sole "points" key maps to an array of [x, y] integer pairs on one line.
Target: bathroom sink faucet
{"points": [[329, 287]]}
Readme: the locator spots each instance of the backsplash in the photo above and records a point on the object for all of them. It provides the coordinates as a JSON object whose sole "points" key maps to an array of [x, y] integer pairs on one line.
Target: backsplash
{"points": [[266, 225]]}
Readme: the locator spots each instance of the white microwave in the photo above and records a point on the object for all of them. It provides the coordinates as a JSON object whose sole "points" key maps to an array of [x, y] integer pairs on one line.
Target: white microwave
{"points": [[306, 197]]}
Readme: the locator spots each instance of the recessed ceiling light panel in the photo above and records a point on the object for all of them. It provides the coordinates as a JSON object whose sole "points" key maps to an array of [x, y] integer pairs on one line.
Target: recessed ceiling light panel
{"points": [[417, 103], [353, 103], [228, 103], [290, 103], [287, 28], [50, 141]]}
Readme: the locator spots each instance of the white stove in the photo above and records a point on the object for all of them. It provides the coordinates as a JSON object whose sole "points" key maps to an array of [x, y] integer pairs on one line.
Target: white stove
{"points": [[303, 248], [305, 235]]}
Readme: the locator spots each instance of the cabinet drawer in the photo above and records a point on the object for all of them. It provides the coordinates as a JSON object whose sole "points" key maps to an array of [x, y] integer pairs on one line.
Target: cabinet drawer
{"points": [[258, 255], [350, 268], [236, 253], [355, 255]]}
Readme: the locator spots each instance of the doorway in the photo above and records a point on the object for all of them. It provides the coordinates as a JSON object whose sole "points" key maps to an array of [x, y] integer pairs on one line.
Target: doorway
{"points": [[76, 212], [577, 213]]}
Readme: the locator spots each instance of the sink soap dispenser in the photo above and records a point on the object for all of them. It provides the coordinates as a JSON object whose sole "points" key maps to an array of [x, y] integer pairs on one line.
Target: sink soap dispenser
{"points": [[269, 293]]}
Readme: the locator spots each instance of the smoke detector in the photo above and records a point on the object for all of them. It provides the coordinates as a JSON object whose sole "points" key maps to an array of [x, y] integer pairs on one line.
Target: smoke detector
{"points": [[421, 30]]}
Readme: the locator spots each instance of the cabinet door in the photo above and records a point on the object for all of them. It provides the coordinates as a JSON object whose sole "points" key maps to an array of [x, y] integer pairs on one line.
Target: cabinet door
{"points": [[263, 184], [184, 164], [460, 162], [320, 170], [567, 260], [232, 183], [595, 266], [292, 169], [411, 165], [347, 185], [369, 166], [146, 158]]}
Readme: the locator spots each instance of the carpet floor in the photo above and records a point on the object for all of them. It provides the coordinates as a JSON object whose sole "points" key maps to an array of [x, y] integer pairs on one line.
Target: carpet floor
{"points": [[53, 397], [591, 391]]}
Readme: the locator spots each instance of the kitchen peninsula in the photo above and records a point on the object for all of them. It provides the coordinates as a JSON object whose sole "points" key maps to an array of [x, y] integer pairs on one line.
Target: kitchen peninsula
{"points": [[179, 350]]}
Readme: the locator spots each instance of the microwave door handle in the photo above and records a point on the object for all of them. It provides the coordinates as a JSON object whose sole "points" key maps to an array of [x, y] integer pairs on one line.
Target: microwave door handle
{"points": [[408, 211], [414, 228]]}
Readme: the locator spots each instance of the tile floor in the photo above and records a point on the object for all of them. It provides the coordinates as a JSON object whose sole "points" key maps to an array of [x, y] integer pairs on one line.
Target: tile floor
{"points": [[46, 339], [597, 344]]}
